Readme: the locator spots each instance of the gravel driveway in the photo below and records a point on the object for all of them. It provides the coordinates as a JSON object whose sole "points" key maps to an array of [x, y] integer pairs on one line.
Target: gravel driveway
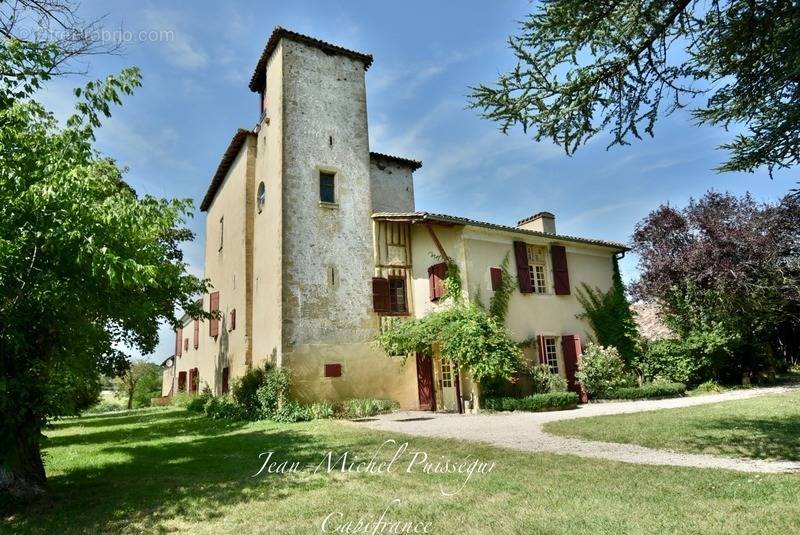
{"points": [[523, 431]]}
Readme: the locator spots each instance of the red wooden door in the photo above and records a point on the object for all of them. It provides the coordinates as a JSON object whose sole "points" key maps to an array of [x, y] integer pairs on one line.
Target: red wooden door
{"points": [[571, 349], [181, 381], [425, 382]]}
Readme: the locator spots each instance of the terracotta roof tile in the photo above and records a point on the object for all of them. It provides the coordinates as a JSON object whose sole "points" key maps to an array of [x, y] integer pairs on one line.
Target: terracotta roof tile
{"points": [[224, 165], [413, 164], [422, 217], [258, 78]]}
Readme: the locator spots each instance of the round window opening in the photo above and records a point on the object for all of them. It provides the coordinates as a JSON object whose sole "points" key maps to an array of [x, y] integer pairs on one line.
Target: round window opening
{"points": [[261, 198]]}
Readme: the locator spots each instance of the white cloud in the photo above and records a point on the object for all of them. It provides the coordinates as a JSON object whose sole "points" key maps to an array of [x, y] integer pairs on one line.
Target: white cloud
{"points": [[183, 50]]}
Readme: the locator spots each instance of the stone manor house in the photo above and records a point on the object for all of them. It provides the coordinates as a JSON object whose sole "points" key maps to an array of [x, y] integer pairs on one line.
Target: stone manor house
{"points": [[313, 244]]}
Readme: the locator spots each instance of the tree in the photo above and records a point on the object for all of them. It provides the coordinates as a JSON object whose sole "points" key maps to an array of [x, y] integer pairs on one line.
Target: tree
{"points": [[86, 265], [726, 272], [587, 67], [610, 316], [139, 383]]}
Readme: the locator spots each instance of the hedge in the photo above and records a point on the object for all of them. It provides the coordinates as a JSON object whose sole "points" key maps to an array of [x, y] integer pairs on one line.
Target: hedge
{"points": [[534, 403], [648, 390]]}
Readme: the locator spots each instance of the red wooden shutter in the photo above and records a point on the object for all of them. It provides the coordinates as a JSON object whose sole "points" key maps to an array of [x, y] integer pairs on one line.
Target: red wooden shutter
{"points": [[380, 294], [196, 334], [333, 370], [523, 270], [497, 277], [232, 319], [179, 342], [571, 349], [558, 255], [225, 379], [542, 354], [213, 323], [437, 273]]}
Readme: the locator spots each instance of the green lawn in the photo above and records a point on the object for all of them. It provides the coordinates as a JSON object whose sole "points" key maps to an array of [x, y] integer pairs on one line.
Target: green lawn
{"points": [[163, 471], [766, 427]]}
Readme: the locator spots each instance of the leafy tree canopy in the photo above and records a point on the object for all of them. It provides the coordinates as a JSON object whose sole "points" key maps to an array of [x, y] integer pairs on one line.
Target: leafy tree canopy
{"points": [[588, 67], [86, 265], [724, 265]]}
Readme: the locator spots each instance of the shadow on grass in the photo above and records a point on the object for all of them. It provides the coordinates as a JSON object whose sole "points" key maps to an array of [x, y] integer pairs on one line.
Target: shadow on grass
{"points": [[757, 438], [179, 469]]}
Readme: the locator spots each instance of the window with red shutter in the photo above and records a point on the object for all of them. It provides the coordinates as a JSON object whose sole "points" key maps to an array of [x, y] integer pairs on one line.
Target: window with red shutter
{"points": [[523, 269], [380, 295], [213, 323], [496, 274], [437, 273], [558, 255], [178, 342]]}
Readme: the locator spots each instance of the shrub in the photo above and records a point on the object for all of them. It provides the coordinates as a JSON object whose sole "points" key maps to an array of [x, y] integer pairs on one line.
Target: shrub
{"points": [[292, 411], [648, 390], [544, 380], [181, 399], [601, 370], [709, 386], [362, 408], [321, 410], [274, 392], [534, 403], [672, 359], [245, 391], [224, 408], [196, 404], [104, 407]]}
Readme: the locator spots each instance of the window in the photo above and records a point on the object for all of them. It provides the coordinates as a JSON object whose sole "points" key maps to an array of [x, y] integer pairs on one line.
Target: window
{"points": [[447, 374], [330, 272], [221, 231], [327, 187], [536, 268], [186, 344], [551, 354], [261, 197], [397, 295]]}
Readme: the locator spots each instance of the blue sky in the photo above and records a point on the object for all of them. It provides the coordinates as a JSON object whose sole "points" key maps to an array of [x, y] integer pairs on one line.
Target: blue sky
{"points": [[172, 132]]}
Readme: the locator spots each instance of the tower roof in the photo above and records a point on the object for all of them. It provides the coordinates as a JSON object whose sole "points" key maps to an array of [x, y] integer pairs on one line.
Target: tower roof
{"points": [[259, 75]]}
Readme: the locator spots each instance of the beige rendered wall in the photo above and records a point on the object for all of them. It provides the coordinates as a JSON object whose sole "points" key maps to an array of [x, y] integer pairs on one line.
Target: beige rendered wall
{"points": [[268, 225], [226, 269]]}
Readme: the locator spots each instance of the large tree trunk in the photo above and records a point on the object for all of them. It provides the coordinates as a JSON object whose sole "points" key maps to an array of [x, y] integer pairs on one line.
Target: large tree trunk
{"points": [[22, 470]]}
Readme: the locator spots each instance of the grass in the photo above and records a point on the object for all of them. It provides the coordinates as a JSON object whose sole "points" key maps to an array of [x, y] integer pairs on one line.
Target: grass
{"points": [[765, 427], [165, 471]]}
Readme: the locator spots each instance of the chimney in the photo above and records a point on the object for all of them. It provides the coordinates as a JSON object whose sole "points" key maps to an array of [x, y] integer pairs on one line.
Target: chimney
{"points": [[541, 222]]}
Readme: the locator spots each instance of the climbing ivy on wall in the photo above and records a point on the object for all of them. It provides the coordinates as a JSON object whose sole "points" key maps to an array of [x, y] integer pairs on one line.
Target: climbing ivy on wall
{"points": [[465, 334], [498, 306]]}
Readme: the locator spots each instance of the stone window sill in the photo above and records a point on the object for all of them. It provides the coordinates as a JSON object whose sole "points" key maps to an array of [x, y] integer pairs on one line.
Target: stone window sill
{"points": [[329, 205]]}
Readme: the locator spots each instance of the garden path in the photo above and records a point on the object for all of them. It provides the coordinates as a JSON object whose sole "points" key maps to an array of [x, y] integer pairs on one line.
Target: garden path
{"points": [[523, 431]]}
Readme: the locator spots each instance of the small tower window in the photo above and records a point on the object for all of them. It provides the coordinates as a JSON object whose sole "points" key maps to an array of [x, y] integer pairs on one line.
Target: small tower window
{"points": [[327, 187], [261, 197], [221, 231]]}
